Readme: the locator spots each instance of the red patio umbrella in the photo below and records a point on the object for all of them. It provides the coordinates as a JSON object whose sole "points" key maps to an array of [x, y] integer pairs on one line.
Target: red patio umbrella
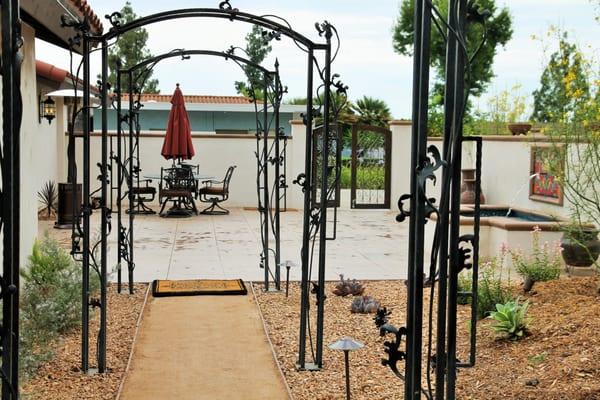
{"points": [[178, 139]]}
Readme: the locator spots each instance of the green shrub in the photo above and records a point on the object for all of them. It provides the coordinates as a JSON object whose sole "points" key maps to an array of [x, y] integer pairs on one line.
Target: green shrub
{"points": [[345, 177], [511, 319], [465, 280], [543, 264], [491, 288], [50, 301]]}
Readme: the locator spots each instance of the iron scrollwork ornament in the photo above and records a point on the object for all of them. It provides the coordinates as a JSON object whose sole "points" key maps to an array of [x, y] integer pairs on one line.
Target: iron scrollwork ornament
{"points": [[465, 244]]}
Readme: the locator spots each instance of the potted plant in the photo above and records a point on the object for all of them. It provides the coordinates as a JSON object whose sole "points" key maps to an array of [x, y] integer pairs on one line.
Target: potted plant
{"points": [[516, 115], [581, 246]]}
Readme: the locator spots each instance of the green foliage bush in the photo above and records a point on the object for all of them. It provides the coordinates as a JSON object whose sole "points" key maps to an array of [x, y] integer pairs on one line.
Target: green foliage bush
{"points": [[543, 264], [464, 285], [50, 301], [492, 289], [368, 176], [511, 319]]}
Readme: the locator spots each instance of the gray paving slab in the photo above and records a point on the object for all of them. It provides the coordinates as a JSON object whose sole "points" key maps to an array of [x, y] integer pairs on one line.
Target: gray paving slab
{"points": [[369, 245]]}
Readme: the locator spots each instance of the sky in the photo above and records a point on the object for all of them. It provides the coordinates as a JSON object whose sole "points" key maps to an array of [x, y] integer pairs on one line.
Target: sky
{"points": [[366, 61]]}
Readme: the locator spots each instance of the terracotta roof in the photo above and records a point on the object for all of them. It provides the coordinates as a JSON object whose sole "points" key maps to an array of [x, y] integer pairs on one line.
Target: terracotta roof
{"points": [[166, 98], [85, 10], [58, 75], [50, 72]]}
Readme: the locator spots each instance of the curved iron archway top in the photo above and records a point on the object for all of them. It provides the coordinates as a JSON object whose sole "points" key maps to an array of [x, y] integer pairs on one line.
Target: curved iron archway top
{"points": [[225, 11], [228, 54]]}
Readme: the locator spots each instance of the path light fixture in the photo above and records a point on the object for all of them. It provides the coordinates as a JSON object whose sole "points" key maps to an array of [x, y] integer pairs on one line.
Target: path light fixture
{"points": [[287, 264], [47, 109], [347, 344]]}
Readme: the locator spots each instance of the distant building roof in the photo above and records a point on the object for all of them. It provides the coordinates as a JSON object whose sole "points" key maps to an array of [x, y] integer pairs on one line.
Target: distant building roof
{"points": [[197, 99], [206, 103]]}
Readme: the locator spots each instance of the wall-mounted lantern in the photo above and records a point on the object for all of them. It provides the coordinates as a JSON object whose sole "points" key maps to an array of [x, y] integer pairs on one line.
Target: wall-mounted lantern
{"points": [[47, 109]]}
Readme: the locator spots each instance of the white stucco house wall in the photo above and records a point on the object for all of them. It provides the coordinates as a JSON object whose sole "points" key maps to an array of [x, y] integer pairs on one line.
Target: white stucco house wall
{"points": [[41, 141]]}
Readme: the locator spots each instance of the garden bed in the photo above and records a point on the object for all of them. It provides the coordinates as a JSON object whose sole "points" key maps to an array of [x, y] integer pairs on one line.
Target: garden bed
{"points": [[61, 377], [558, 360]]}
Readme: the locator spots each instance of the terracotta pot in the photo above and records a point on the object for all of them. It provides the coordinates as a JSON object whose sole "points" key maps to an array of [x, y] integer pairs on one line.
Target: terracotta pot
{"points": [[519, 128], [467, 189], [580, 248]]}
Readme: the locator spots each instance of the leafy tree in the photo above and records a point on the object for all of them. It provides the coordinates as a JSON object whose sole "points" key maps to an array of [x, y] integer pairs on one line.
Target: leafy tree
{"points": [[499, 32], [257, 48], [129, 50], [563, 85], [372, 111]]}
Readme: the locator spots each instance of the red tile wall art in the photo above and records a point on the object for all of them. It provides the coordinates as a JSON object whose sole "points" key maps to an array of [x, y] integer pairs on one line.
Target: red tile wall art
{"points": [[545, 186]]}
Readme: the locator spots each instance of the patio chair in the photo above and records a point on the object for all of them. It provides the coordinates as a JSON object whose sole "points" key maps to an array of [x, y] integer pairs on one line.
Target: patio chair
{"points": [[177, 185], [216, 192], [143, 193], [141, 190]]}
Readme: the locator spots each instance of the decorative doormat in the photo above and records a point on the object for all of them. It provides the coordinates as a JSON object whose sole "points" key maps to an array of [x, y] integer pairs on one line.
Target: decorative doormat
{"points": [[198, 287]]}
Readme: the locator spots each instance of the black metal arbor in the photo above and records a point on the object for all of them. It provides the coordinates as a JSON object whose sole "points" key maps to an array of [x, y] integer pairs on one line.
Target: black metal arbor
{"points": [[127, 157], [324, 110], [451, 252]]}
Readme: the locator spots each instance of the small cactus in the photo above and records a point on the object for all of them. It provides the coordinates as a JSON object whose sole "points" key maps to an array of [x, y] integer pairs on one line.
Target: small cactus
{"points": [[364, 305], [346, 286]]}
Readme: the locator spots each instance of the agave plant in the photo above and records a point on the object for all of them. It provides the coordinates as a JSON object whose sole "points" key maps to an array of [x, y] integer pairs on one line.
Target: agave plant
{"points": [[511, 319], [346, 286], [48, 197], [365, 305]]}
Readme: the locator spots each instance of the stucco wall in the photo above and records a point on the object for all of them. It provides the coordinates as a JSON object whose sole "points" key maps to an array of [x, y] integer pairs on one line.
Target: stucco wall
{"points": [[505, 169], [214, 154]]}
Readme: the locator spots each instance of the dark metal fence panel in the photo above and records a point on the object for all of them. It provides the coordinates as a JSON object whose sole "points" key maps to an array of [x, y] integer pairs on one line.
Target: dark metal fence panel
{"points": [[371, 167]]}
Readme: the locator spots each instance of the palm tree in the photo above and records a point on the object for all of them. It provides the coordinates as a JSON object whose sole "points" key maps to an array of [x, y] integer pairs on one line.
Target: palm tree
{"points": [[372, 111]]}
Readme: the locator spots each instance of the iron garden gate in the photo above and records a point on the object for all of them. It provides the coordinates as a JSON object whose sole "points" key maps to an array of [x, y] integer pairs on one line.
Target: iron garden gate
{"points": [[370, 167]]}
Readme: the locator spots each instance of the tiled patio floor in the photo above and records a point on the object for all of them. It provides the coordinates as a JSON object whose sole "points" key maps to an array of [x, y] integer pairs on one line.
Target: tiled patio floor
{"points": [[369, 245]]}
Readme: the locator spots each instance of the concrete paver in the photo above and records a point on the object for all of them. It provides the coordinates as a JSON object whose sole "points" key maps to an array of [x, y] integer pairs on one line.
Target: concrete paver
{"points": [[370, 244]]}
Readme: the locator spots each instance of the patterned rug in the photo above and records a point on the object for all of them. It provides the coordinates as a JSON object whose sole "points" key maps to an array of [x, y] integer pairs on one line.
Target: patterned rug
{"points": [[198, 287]]}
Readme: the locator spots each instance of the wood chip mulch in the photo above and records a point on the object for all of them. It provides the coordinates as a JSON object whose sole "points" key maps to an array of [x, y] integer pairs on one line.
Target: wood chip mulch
{"points": [[61, 377], [558, 360]]}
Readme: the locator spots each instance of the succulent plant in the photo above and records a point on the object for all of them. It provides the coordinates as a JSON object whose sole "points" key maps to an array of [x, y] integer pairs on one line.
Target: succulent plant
{"points": [[364, 305], [346, 286]]}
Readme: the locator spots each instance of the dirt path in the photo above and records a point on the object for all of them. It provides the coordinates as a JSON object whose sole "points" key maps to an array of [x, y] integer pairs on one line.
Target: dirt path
{"points": [[203, 347]]}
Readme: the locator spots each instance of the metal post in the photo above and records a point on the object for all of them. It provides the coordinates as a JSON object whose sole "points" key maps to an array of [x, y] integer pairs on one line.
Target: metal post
{"points": [[105, 213], [307, 188], [130, 197], [265, 168], [11, 125], [440, 369], [87, 209], [347, 364], [414, 318], [277, 97], [455, 204], [323, 203], [120, 235]]}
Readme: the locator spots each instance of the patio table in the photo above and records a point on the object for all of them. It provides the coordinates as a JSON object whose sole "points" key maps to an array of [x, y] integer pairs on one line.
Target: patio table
{"points": [[197, 177], [177, 210]]}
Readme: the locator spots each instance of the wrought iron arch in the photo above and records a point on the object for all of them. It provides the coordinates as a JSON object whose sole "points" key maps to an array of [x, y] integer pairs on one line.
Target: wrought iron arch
{"points": [[126, 167], [314, 219]]}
